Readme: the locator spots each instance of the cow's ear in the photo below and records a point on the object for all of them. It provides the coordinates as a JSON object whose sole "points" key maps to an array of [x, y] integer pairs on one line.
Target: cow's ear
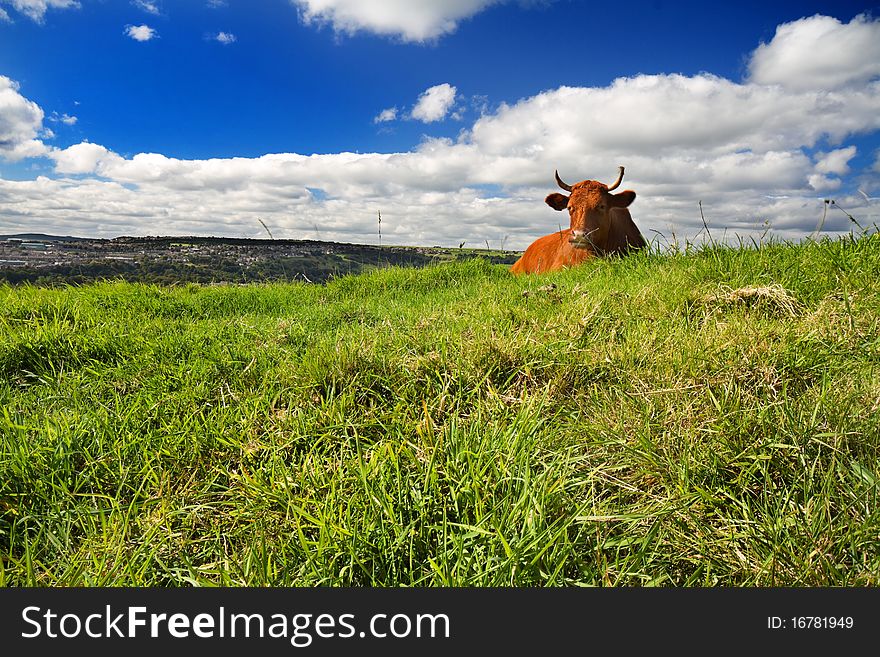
{"points": [[557, 201], [623, 199]]}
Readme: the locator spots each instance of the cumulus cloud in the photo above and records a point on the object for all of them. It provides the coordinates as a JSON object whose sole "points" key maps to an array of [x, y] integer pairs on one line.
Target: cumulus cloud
{"points": [[409, 20], [36, 9], [823, 183], [84, 158], [65, 118], [836, 162], [21, 122], [4, 16], [225, 38], [389, 114], [652, 114], [819, 52], [140, 32], [149, 7], [753, 153], [833, 163], [434, 103]]}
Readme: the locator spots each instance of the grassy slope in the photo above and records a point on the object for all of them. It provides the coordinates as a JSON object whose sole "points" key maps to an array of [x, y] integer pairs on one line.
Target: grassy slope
{"points": [[637, 424]]}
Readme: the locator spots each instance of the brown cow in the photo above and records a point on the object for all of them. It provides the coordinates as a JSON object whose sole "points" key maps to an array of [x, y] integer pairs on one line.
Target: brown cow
{"points": [[600, 225]]}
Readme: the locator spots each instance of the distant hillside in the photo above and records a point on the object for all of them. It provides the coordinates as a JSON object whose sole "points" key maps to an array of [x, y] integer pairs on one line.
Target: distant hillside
{"points": [[194, 259], [43, 237]]}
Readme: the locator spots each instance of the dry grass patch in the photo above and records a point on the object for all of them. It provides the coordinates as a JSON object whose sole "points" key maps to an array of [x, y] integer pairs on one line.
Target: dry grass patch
{"points": [[773, 299]]}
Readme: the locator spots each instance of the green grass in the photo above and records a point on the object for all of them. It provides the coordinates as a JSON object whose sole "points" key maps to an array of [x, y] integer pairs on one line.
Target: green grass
{"points": [[694, 419]]}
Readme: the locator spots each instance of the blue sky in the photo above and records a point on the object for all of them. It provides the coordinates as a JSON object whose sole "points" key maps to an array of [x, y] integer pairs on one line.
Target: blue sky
{"points": [[134, 118]]}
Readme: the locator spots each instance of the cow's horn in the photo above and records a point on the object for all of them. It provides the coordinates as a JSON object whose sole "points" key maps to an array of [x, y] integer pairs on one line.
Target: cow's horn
{"points": [[618, 181], [560, 183]]}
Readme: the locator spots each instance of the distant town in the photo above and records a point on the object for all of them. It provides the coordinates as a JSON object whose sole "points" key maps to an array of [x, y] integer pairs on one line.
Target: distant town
{"points": [[48, 260]]}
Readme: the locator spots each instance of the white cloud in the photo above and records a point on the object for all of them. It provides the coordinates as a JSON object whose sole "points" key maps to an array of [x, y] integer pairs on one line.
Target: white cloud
{"points": [[140, 32], [409, 20], [4, 16], [434, 103], [833, 163], [216, 4], [836, 162], [819, 52], [149, 7], [36, 9], [657, 114], [389, 114], [83, 158], [21, 122], [823, 183], [65, 118], [225, 38], [740, 148]]}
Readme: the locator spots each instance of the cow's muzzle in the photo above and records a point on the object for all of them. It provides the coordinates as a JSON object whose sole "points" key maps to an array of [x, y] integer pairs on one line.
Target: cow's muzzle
{"points": [[580, 240]]}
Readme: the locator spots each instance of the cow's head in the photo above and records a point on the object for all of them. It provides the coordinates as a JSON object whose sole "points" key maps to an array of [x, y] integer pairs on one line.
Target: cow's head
{"points": [[590, 205]]}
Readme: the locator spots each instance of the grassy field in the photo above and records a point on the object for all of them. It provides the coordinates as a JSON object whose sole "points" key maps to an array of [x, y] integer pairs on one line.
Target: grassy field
{"points": [[698, 419]]}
